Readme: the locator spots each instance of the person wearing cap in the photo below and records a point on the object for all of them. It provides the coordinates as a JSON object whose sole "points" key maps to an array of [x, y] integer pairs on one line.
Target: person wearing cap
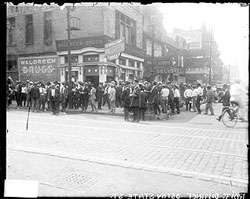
{"points": [[188, 97], [23, 95], [106, 95], [135, 102], [126, 100], [35, 95], [54, 98]]}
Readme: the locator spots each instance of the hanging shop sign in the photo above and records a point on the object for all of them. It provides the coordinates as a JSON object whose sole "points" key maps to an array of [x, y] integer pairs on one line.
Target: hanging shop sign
{"points": [[114, 49], [39, 68]]}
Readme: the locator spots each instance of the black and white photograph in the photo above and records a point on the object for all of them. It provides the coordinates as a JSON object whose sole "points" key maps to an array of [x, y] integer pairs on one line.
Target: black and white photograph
{"points": [[127, 100]]}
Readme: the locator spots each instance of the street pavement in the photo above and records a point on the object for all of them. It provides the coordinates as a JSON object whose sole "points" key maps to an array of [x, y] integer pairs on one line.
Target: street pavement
{"points": [[99, 154]]}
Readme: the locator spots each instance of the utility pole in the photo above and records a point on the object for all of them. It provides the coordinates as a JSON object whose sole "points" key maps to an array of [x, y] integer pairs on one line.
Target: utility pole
{"points": [[152, 51], [210, 66], [69, 58]]}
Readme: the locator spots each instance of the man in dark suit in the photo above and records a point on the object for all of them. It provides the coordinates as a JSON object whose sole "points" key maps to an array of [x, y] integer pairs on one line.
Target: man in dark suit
{"points": [[35, 96], [54, 98], [126, 100], [142, 102], [99, 94], [135, 102]]}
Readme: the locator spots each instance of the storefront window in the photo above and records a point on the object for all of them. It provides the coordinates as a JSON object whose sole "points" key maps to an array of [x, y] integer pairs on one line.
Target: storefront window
{"points": [[131, 63], [74, 59], [48, 28], [11, 30], [91, 58]]}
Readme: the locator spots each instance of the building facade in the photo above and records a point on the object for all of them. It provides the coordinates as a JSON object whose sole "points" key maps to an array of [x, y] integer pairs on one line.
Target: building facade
{"points": [[41, 32]]}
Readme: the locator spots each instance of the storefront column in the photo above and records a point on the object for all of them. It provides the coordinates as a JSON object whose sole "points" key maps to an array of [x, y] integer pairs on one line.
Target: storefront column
{"points": [[62, 74]]}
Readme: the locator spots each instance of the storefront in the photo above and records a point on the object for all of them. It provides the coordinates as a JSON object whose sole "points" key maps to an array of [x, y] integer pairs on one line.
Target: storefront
{"points": [[89, 62]]}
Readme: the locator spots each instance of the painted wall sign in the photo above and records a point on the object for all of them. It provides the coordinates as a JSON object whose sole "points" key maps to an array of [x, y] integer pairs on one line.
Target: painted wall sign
{"points": [[114, 48], [39, 68]]}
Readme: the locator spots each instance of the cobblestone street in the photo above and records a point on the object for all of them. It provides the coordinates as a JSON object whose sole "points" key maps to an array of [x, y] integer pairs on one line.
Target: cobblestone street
{"points": [[207, 154]]}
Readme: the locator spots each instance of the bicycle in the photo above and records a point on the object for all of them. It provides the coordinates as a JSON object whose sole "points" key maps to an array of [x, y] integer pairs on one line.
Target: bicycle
{"points": [[230, 116]]}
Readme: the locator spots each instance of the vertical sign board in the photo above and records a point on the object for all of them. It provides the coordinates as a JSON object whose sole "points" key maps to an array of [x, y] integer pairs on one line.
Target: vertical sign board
{"points": [[44, 68], [114, 49]]}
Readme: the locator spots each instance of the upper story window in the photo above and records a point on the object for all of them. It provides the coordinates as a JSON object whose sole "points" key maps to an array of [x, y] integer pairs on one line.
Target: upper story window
{"points": [[11, 29], [48, 28], [74, 59], [122, 61], [149, 47], [90, 58], [125, 28], [131, 63], [29, 29], [157, 50]]}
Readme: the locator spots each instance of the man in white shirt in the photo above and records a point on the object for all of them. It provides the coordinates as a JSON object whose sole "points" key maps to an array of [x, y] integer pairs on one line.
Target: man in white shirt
{"points": [[188, 94], [199, 97], [177, 98], [164, 98]]}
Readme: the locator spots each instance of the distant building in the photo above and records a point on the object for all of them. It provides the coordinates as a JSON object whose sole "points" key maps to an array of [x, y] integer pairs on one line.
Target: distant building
{"points": [[233, 71]]}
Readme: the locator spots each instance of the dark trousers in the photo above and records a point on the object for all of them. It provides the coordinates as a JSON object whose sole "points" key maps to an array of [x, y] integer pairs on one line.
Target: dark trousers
{"points": [[55, 105], [157, 109], [18, 99], [136, 114], [64, 103], [188, 102], [142, 112], [23, 99], [99, 102], [85, 102], [177, 104], [118, 101], [171, 105], [126, 112], [35, 104], [198, 104], [209, 106], [42, 102], [106, 100]]}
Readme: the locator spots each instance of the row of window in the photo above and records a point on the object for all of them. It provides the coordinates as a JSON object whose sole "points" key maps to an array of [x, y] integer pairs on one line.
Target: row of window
{"points": [[29, 29], [95, 58]]}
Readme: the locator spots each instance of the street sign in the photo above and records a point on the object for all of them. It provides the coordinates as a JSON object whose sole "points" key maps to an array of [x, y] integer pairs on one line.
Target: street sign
{"points": [[114, 49]]}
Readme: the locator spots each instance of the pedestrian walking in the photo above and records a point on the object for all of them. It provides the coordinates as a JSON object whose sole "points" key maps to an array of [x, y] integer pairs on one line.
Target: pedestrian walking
{"points": [[209, 100], [225, 99], [164, 98]]}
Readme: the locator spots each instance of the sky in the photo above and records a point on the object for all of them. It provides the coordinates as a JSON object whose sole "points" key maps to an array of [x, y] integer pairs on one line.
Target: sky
{"points": [[230, 24]]}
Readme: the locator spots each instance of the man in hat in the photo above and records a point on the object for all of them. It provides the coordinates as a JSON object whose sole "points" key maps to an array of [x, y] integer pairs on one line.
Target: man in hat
{"points": [[35, 96], [142, 102], [126, 99], [92, 97], [209, 100], [135, 102], [118, 100], [99, 94]]}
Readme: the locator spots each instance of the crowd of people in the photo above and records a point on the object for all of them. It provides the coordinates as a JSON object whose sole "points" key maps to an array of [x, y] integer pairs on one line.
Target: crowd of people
{"points": [[134, 97]]}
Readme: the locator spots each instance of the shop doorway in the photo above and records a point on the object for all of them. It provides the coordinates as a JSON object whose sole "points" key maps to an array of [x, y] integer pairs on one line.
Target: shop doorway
{"points": [[93, 79], [74, 75]]}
